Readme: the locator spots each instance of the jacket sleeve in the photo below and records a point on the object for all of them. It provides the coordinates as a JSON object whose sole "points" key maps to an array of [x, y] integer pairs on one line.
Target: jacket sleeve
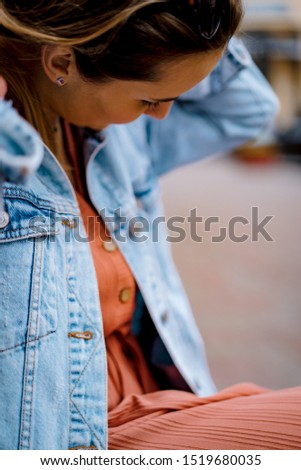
{"points": [[230, 107]]}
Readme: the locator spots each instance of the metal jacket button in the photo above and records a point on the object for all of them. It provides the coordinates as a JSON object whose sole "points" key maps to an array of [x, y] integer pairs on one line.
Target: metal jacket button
{"points": [[4, 219], [83, 448], [71, 223], [86, 335], [125, 295], [109, 245]]}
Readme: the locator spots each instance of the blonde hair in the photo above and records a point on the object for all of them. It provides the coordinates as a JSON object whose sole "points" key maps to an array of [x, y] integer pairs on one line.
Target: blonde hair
{"points": [[111, 39], [84, 32], [25, 43]]}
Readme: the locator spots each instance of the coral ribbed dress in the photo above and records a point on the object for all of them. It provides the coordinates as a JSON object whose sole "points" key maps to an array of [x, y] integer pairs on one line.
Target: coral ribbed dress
{"points": [[141, 416]]}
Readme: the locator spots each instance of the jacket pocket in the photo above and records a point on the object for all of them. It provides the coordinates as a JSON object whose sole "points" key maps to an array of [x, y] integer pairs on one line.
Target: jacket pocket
{"points": [[28, 275]]}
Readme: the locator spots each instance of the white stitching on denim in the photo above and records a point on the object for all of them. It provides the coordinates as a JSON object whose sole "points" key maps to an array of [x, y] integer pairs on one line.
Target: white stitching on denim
{"points": [[35, 294], [89, 358], [27, 342]]}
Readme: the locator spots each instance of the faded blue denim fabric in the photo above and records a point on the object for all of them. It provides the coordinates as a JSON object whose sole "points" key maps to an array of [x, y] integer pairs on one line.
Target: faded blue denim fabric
{"points": [[21, 151], [53, 392]]}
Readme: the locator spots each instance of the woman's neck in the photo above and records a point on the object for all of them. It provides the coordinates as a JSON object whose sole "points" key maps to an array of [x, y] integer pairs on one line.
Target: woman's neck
{"points": [[61, 150]]}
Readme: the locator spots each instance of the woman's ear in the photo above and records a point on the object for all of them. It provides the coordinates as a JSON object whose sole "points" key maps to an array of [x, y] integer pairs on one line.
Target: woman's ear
{"points": [[57, 62]]}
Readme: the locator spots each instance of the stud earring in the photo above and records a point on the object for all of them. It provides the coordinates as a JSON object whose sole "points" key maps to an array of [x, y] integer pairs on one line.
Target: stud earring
{"points": [[60, 81]]}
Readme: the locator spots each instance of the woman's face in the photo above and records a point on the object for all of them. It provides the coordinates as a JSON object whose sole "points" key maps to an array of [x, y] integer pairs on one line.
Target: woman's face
{"points": [[93, 105]]}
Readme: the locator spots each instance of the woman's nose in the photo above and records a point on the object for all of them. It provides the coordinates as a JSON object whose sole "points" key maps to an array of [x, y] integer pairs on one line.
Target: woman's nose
{"points": [[162, 111]]}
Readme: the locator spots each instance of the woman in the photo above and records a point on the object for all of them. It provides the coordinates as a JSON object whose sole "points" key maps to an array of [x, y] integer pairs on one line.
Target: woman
{"points": [[100, 323]]}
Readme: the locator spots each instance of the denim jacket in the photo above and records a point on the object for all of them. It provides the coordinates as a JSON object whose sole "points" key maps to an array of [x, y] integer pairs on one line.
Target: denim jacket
{"points": [[53, 392]]}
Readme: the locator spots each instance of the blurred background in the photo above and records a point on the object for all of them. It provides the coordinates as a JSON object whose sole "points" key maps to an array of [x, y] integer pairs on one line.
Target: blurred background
{"points": [[247, 296]]}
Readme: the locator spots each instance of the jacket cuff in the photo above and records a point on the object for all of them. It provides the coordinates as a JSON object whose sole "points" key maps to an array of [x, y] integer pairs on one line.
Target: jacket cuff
{"points": [[235, 59]]}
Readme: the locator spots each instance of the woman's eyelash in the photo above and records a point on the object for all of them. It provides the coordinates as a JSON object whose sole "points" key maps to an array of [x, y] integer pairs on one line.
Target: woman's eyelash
{"points": [[151, 105]]}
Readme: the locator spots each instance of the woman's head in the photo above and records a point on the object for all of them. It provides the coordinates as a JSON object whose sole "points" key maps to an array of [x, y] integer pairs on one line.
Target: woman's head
{"points": [[109, 40]]}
